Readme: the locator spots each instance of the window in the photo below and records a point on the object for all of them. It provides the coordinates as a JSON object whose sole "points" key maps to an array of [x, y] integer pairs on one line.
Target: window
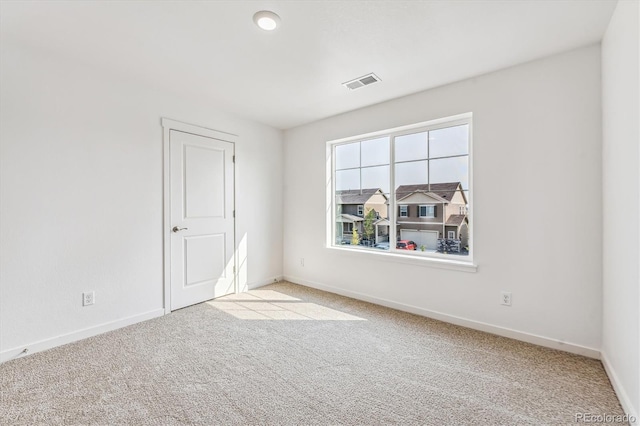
{"points": [[425, 167], [427, 211]]}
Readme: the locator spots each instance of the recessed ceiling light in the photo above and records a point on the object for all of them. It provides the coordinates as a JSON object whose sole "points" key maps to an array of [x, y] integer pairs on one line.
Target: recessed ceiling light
{"points": [[266, 20]]}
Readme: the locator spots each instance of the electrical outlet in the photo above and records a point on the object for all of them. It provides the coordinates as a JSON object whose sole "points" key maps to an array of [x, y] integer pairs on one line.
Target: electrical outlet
{"points": [[88, 298], [302, 261], [505, 298]]}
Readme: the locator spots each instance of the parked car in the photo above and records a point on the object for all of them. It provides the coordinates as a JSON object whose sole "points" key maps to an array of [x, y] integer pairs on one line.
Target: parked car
{"points": [[406, 245], [382, 246], [367, 243]]}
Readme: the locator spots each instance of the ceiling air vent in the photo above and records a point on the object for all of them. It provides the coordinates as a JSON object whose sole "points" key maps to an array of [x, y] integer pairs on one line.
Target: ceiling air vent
{"points": [[359, 82]]}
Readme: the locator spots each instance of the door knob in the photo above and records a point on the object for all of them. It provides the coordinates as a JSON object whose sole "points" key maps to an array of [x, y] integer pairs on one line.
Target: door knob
{"points": [[176, 229]]}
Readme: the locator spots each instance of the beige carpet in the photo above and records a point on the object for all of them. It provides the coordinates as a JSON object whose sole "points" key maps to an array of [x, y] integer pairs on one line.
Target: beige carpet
{"points": [[286, 354]]}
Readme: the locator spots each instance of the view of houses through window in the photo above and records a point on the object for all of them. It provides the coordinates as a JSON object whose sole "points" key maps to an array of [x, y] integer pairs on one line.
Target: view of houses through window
{"points": [[405, 192]]}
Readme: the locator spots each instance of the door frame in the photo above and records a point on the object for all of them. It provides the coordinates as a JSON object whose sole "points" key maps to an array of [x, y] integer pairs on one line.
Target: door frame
{"points": [[167, 126]]}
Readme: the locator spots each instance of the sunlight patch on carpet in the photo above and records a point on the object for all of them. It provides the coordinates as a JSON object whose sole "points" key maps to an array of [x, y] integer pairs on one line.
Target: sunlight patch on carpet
{"points": [[273, 305]]}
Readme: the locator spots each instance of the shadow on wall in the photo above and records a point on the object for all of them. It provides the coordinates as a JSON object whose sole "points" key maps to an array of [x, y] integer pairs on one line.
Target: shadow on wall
{"points": [[241, 256], [270, 304]]}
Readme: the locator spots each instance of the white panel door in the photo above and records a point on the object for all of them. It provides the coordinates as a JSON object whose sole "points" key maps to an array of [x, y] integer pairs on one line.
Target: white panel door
{"points": [[202, 223]]}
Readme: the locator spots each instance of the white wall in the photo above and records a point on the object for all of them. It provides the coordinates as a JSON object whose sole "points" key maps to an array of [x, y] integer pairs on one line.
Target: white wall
{"points": [[537, 146], [81, 197], [621, 205]]}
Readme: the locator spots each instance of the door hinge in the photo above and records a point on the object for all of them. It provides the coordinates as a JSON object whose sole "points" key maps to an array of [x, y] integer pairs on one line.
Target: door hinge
{"points": [[234, 213], [234, 270], [234, 158]]}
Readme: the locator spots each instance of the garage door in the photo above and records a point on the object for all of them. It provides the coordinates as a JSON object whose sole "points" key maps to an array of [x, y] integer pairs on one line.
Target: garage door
{"points": [[429, 239]]}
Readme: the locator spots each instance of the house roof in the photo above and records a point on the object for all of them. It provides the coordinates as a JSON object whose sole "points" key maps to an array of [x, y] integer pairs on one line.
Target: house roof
{"points": [[349, 218], [443, 190], [356, 196], [456, 219], [432, 197]]}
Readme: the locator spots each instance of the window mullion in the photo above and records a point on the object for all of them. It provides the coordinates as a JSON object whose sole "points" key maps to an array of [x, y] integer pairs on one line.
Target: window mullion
{"points": [[334, 207], [391, 214], [360, 164], [428, 162]]}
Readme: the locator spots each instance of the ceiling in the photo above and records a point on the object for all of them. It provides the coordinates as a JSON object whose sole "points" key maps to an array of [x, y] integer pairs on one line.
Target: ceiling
{"points": [[213, 50]]}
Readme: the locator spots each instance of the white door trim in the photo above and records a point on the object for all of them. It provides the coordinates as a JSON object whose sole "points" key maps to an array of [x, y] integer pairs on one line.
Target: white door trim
{"points": [[167, 126]]}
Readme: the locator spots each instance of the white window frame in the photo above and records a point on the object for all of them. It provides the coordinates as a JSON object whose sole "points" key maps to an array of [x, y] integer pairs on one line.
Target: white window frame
{"points": [[406, 210], [439, 260], [426, 206], [360, 209], [449, 233]]}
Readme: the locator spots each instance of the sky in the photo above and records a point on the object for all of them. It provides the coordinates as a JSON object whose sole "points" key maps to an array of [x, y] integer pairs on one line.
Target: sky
{"points": [[427, 157]]}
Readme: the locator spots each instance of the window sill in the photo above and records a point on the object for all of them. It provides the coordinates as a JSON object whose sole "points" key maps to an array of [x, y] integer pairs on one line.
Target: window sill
{"points": [[431, 262]]}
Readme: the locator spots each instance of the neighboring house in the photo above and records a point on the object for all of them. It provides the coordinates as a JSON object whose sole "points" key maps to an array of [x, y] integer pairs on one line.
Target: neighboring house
{"points": [[427, 213], [352, 207]]}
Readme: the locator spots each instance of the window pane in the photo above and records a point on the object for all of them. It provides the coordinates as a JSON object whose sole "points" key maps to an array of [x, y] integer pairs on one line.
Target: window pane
{"points": [[347, 179], [454, 169], [449, 141], [376, 178], [423, 161], [348, 156], [411, 147], [412, 173], [426, 211], [375, 152]]}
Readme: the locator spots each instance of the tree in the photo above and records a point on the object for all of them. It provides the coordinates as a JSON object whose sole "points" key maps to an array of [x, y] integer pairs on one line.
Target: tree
{"points": [[369, 227], [355, 239]]}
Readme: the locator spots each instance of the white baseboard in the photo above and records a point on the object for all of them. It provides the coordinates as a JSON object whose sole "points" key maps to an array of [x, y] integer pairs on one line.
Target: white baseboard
{"points": [[74, 336], [625, 401], [452, 319], [262, 283]]}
